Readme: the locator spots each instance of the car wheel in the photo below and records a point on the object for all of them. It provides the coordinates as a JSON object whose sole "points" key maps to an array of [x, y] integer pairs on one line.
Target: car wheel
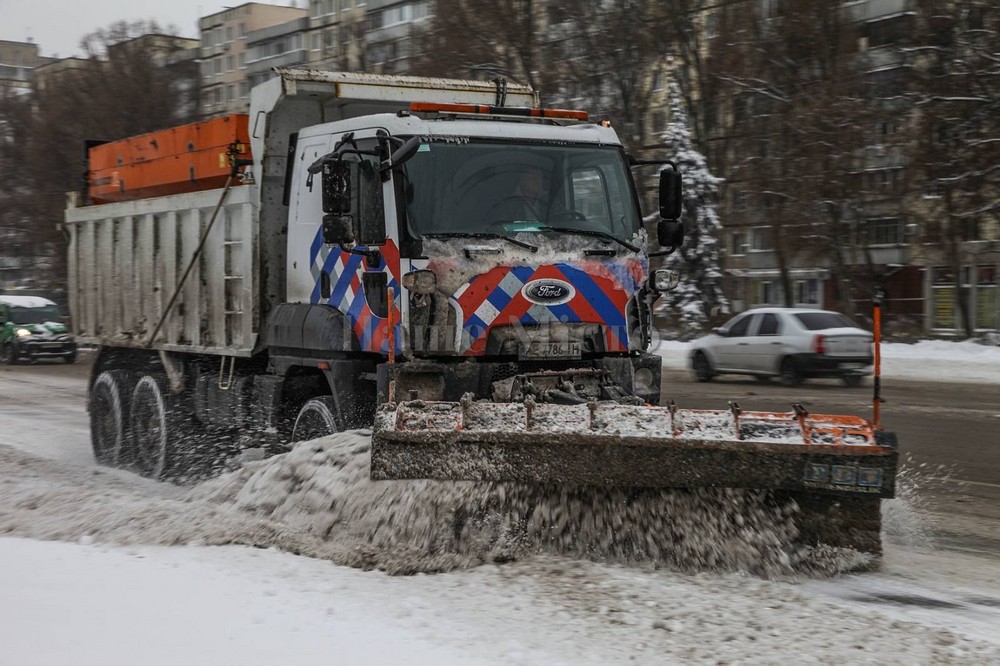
{"points": [[763, 379], [7, 354], [317, 418], [790, 373], [851, 380], [69, 358], [702, 367]]}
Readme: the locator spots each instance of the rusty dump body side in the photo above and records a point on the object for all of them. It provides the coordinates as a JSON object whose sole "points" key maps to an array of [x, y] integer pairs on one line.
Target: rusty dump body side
{"points": [[188, 158], [608, 444]]}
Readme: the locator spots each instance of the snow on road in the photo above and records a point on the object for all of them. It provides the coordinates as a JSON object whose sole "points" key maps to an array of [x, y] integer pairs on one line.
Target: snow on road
{"points": [[98, 566]]}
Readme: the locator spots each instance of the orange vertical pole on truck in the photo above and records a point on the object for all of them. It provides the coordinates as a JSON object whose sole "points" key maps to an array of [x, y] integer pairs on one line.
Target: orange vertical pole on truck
{"points": [[877, 378]]}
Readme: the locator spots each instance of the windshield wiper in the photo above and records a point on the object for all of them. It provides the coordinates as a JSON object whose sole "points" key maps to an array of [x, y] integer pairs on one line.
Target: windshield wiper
{"points": [[591, 232], [483, 234]]}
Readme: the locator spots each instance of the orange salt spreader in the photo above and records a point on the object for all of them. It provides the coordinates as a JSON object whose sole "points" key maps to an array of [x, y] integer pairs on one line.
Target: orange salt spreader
{"points": [[188, 158]]}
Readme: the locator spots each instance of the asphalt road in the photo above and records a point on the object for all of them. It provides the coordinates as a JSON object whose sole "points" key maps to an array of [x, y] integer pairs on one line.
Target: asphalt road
{"points": [[951, 429]]}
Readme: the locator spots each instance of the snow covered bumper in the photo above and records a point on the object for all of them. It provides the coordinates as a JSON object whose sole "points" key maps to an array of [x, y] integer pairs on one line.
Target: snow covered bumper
{"points": [[610, 444]]}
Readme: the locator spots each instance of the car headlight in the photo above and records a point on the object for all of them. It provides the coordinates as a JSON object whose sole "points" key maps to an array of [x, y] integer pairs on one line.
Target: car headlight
{"points": [[664, 280], [22, 333]]}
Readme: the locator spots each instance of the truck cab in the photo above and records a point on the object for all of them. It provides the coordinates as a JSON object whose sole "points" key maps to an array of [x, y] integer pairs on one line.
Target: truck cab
{"points": [[495, 247]]}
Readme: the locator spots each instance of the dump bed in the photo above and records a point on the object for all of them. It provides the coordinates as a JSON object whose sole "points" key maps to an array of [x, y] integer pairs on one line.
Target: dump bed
{"points": [[126, 260]]}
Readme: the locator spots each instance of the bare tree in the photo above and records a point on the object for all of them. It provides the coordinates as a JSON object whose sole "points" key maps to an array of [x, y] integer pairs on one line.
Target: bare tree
{"points": [[957, 142], [794, 120], [604, 57], [124, 87]]}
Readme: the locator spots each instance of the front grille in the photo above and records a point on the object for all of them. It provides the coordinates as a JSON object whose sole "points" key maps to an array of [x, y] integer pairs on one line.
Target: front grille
{"points": [[503, 371]]}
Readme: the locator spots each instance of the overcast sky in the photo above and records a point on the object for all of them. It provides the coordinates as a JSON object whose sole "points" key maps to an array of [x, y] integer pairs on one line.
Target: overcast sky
{"points": [[58, 25]]}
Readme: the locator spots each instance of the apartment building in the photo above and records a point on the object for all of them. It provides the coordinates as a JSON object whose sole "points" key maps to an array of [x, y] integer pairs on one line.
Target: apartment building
{"points": [[18, 61], [224, 52]]}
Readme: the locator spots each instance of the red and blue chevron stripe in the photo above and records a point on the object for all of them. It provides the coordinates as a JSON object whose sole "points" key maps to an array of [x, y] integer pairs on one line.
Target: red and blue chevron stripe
{"points": [[346, 295], [602, 291]]}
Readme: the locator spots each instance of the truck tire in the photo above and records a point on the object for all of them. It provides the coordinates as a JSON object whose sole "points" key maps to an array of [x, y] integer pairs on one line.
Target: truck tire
{"points": [[317, 418], [152, 427], [107, 418]]}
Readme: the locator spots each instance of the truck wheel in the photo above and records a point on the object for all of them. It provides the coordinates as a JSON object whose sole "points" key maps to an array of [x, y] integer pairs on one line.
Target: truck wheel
{"points": [[790, 373], [151, 419], [702, 367], [851, 380], [317, 418], [107, 418]]}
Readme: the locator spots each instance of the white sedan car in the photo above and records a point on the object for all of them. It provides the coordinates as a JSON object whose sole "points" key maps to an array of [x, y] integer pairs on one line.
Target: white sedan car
{"points": [[790, 343]]}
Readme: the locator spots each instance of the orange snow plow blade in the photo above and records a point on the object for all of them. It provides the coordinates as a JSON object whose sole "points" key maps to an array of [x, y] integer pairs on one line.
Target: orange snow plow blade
{"points": [[610, 444]]}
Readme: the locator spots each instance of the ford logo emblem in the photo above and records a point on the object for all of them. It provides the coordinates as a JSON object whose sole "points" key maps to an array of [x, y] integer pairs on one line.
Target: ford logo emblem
{"points": [[548, 292]]}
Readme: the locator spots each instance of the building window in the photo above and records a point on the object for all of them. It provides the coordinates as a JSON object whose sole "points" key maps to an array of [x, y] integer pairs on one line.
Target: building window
{"points": [[767, 292], [659, 121], [243, 30], [986, 298], [242, 60], [738, 243], [942, 297], [884, 231], [888, 31], [761, 239], [217, 66], [229, 33], [229, 63], [807, 291]]}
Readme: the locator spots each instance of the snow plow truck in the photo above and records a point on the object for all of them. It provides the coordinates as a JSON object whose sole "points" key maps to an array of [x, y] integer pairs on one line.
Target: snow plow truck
{"points": [[444, 262]]}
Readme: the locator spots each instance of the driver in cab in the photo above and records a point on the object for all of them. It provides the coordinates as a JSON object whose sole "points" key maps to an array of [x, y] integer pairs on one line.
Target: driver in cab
{"points": [[531, 199]]}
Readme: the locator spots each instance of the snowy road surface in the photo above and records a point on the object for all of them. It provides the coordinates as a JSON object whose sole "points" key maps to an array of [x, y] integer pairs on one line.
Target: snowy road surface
{"points": [[99, 566]]}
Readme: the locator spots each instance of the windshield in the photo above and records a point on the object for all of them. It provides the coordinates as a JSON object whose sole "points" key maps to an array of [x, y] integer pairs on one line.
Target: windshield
{"points": [[463, 187], [19, 315]]}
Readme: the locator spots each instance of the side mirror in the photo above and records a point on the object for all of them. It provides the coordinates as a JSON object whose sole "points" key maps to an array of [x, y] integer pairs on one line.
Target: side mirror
{"points": [[671, 195], [338, 229], [670, 233], [336, 188], [719, 330]]}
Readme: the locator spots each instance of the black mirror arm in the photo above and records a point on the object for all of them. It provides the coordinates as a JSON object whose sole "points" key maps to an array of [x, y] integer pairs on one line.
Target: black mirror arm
{"points": [[371, 255], [632, 162]]}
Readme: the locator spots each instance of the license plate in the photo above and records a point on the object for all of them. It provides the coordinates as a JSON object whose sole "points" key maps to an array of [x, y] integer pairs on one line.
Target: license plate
{"points": [[852, 366], [548, 349]]}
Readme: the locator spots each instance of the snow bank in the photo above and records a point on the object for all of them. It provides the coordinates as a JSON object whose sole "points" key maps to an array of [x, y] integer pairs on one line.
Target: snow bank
{"points": [[317, 500]]}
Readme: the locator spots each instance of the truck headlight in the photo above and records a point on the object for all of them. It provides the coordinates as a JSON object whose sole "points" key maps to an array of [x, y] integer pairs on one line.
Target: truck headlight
{"points": [[22, 333], [420, 282], [664, 280]]}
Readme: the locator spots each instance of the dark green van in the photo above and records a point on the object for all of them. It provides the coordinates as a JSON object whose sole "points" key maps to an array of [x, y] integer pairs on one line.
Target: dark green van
{"points": [[32, 328]]}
